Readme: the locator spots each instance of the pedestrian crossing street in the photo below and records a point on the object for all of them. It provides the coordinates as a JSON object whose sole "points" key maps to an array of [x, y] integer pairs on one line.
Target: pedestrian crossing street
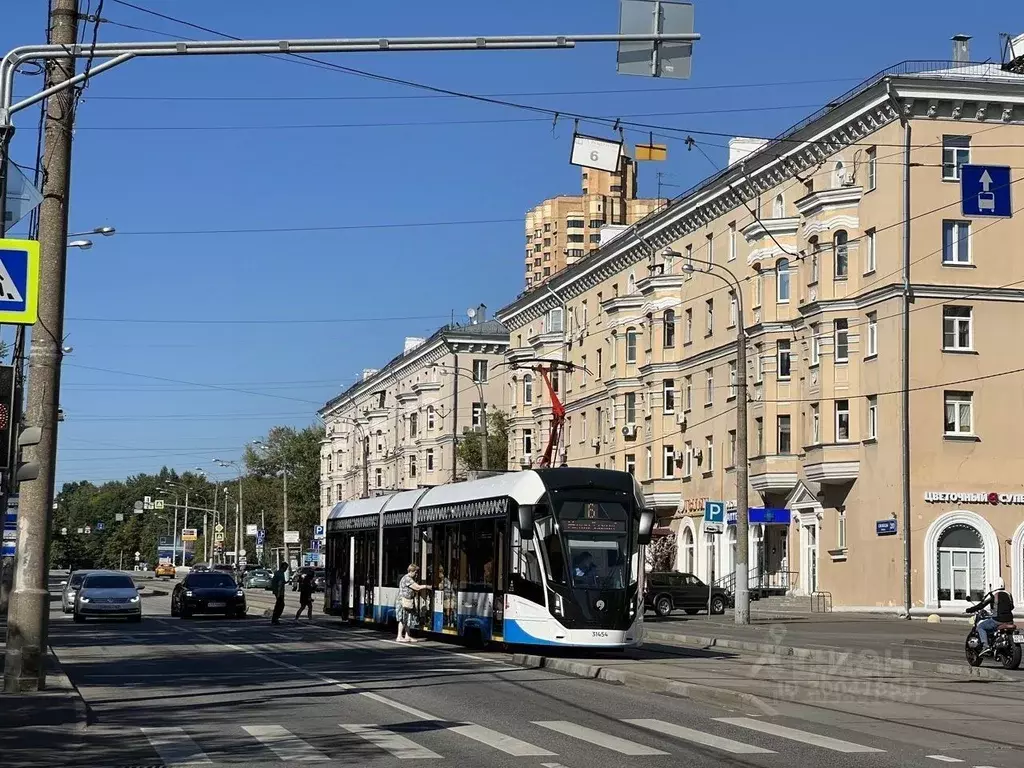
{"points": [[178, 746]]}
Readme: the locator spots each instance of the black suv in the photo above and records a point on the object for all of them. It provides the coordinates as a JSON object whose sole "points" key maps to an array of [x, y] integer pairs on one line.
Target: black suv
{"points": [[665, 590]]}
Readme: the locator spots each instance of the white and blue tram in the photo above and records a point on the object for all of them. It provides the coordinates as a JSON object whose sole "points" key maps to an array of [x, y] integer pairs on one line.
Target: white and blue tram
{"points": [[540, 557]]}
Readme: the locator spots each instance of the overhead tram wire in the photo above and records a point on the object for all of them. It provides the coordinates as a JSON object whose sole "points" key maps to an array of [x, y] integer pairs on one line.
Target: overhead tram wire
{"points": [[550, 113]]}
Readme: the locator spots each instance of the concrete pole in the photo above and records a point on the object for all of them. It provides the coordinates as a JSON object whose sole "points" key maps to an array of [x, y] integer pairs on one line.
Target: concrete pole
{"points": [[241, 518], [742, 612], [285, 534], [483, 424], [29, 610], [184, 525]]}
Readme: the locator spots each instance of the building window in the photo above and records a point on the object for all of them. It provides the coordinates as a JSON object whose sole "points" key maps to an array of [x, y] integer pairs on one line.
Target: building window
{"points": [[596, 223], [689, 259], [756, 288], [528, 389], [630, 345], [600, 362], [758, 364], [872, 154], [669, 330], [527, 443], [709, 316], [583, 427], [631, 463], [815, 424], [430, 459], [547, 226], [687, 393], [670, 462], [961, 556], [669, 397], [870, 257], [711, 247], [959, 413], [785, 435], [779, 207], [732, 378], [631, 407], [732, 241], [430, 417], [414, 424], [841, 248], [649, 463], [378, 477], [841, 529], [555, 320], [688, 326], [733, 309], [873, 418], [759, 435], [709, 454], [956, 153], [732, 447], [480, 371], [956, 328], [709, 388], [842, 420], [477, 417], [872, 334], [842, 340], [412, 466], [687, 459], [956, 242], [815, 269], [784, 359], [815, 344], [574, 223], [596, 238]]}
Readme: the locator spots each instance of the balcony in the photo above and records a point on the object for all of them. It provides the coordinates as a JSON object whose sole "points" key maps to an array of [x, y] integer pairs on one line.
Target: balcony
{"points": [[774, 474], [426, 386], [832, 463], [517, 354], [407, 397]]}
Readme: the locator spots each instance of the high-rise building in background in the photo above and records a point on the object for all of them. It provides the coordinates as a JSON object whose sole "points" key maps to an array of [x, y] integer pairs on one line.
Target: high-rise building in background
{"points": [[562, 230]]}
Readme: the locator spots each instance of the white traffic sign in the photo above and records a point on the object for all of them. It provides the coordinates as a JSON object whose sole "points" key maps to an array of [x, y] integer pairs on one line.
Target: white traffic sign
{"points": [[88, 529], [251, 528], [158, 504], [291, 537], [119, 517], [22, 196], [592, 152], [218, 536], [241, 553], [714, 527], [218, 528], [189, 534]]}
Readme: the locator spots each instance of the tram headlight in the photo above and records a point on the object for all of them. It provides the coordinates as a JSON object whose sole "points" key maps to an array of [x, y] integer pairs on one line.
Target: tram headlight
{"points": [[558, 604], [632, 606]]}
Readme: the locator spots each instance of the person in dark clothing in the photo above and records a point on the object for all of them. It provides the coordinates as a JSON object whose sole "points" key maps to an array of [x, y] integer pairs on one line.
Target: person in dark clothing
{"points": [[305, 593], [277, 587], [1002, 609]]}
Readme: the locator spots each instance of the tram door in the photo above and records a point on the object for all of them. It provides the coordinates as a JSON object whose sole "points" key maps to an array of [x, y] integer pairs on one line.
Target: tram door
{"points": [[338, 597]]}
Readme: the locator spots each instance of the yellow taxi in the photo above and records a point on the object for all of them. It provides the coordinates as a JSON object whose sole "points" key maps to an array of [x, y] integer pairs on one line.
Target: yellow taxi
{"points": [[165, 570]]}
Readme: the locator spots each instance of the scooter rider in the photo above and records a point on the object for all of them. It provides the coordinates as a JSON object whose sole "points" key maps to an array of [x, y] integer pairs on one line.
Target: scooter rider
{"points": [[1002, 610]]}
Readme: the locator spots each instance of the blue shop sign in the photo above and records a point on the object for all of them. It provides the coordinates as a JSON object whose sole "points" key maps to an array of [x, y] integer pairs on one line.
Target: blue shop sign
{"points": [[765, 516]]}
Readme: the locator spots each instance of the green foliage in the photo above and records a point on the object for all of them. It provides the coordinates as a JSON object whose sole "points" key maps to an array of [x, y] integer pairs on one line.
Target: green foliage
{"points": [[81, 504], [470, 445]]}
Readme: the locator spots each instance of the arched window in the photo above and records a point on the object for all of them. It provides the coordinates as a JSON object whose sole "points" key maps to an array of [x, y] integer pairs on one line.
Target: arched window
{"points": [[782, 281], [631, 284], [838, 175], [669, 330], [961, 564], [684, 552], [779, 207], [528, 388], [842, 254]]}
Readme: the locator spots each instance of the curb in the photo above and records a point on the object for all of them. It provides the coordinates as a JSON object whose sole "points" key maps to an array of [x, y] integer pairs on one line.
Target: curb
{"points": [[57, 680], [863, 658], [721, 697]]}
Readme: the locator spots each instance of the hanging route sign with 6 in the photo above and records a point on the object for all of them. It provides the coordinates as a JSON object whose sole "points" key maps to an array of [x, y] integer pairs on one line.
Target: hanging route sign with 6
{"points": [[19, 281]]}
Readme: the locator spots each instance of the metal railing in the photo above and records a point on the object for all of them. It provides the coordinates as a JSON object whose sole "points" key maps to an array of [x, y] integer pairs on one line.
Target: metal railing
{"points": [[760, 582], [821, 602]]}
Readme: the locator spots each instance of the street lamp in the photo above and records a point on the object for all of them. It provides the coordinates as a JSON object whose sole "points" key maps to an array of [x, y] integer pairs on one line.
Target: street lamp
{"points": [[239, 538], [85, 245], [284, 474], [172, 488], [448, 370], [742, 612], [105, 231]]}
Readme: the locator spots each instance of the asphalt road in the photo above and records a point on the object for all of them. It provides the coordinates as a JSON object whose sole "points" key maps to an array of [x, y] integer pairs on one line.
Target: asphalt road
{"points": [[213, 691]]}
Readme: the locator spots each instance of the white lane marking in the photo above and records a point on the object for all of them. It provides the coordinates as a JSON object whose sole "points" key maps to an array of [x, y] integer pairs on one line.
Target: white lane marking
{"points": [[944, 759], [699, 737], [399, 746], [598, 738], [551, 765], [500, 741], [399, 706], [175, 747], [285, 744], [805, 737]]}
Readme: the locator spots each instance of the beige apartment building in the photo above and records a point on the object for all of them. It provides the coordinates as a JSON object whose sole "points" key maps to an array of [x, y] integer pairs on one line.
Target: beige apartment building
{"points": [[811, 225], [564, 229], [407, 417]]}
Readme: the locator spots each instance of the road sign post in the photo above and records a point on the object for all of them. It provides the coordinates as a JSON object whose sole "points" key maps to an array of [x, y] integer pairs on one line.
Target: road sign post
{"points": [[985, 191], [714, 523]]}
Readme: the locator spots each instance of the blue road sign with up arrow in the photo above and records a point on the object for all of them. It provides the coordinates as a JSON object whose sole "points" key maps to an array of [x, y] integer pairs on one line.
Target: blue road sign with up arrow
{"points": [[19, 281], [985, 190]]}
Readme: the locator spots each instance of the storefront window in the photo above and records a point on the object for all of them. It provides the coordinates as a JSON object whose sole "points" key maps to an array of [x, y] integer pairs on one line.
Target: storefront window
{"points": [[961, 564]]}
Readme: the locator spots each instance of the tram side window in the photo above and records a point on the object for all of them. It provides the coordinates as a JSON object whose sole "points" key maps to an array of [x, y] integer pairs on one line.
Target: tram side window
{"points": [[525, 577], [424, 555], [500, 544], [397, 551], [545, 531], [477, 556]]}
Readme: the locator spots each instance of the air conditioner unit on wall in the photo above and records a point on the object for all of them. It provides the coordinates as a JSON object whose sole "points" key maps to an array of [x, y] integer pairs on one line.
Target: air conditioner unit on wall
{"points": [[629, 430], [596, 442]]}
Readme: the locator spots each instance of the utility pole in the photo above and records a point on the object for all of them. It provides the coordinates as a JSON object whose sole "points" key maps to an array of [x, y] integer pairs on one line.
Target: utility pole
{"points": [[29, 611], [366, 466], [285, 533]]}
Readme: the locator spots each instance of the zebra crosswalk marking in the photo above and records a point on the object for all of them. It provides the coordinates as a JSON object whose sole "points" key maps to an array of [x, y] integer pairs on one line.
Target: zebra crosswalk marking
{"points": [[500, 741], [804, 737], [175, 747], [598, 738], [700, 737], [285, 744], [398, 745]]}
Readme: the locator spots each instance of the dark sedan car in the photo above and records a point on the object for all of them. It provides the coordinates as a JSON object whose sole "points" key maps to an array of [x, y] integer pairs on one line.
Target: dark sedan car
{"points": [[207, 592], [665, 590]]}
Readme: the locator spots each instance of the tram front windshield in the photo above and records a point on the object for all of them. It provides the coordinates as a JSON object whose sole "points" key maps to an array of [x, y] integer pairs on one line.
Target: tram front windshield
{"points": [[596, 542]]}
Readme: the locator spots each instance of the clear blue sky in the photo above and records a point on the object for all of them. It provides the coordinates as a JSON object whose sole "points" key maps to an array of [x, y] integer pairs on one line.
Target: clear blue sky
{"points": [[190, 310]]}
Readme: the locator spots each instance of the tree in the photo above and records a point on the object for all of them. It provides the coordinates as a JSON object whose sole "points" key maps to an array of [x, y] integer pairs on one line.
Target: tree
{"points": [[470, 451], [661, 553]]}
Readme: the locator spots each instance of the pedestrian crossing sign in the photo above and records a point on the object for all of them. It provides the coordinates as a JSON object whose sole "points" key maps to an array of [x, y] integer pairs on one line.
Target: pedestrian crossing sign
{"points": [[19, 281]]}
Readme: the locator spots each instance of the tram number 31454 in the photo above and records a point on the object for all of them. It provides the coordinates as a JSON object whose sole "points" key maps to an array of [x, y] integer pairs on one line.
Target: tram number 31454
{"points": [[597, 633]]}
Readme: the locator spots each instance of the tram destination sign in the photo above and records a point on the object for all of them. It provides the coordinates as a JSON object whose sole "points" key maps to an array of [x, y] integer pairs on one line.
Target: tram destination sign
{"points": [[590, 525]]}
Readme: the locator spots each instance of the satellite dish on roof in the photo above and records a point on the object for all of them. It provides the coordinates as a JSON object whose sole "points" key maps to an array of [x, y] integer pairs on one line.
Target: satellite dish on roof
{"points": [[471, 313]]}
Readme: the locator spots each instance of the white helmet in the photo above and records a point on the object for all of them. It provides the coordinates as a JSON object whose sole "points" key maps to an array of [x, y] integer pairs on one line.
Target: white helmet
{"points": [[998, 585]]}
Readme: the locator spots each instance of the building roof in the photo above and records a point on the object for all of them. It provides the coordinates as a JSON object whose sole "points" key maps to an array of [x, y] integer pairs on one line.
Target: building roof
{"points": [[492, 330], [971, 75]]}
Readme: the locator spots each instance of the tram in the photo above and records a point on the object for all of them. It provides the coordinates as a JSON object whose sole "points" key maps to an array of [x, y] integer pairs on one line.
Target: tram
{"points": [[538, 557]]}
